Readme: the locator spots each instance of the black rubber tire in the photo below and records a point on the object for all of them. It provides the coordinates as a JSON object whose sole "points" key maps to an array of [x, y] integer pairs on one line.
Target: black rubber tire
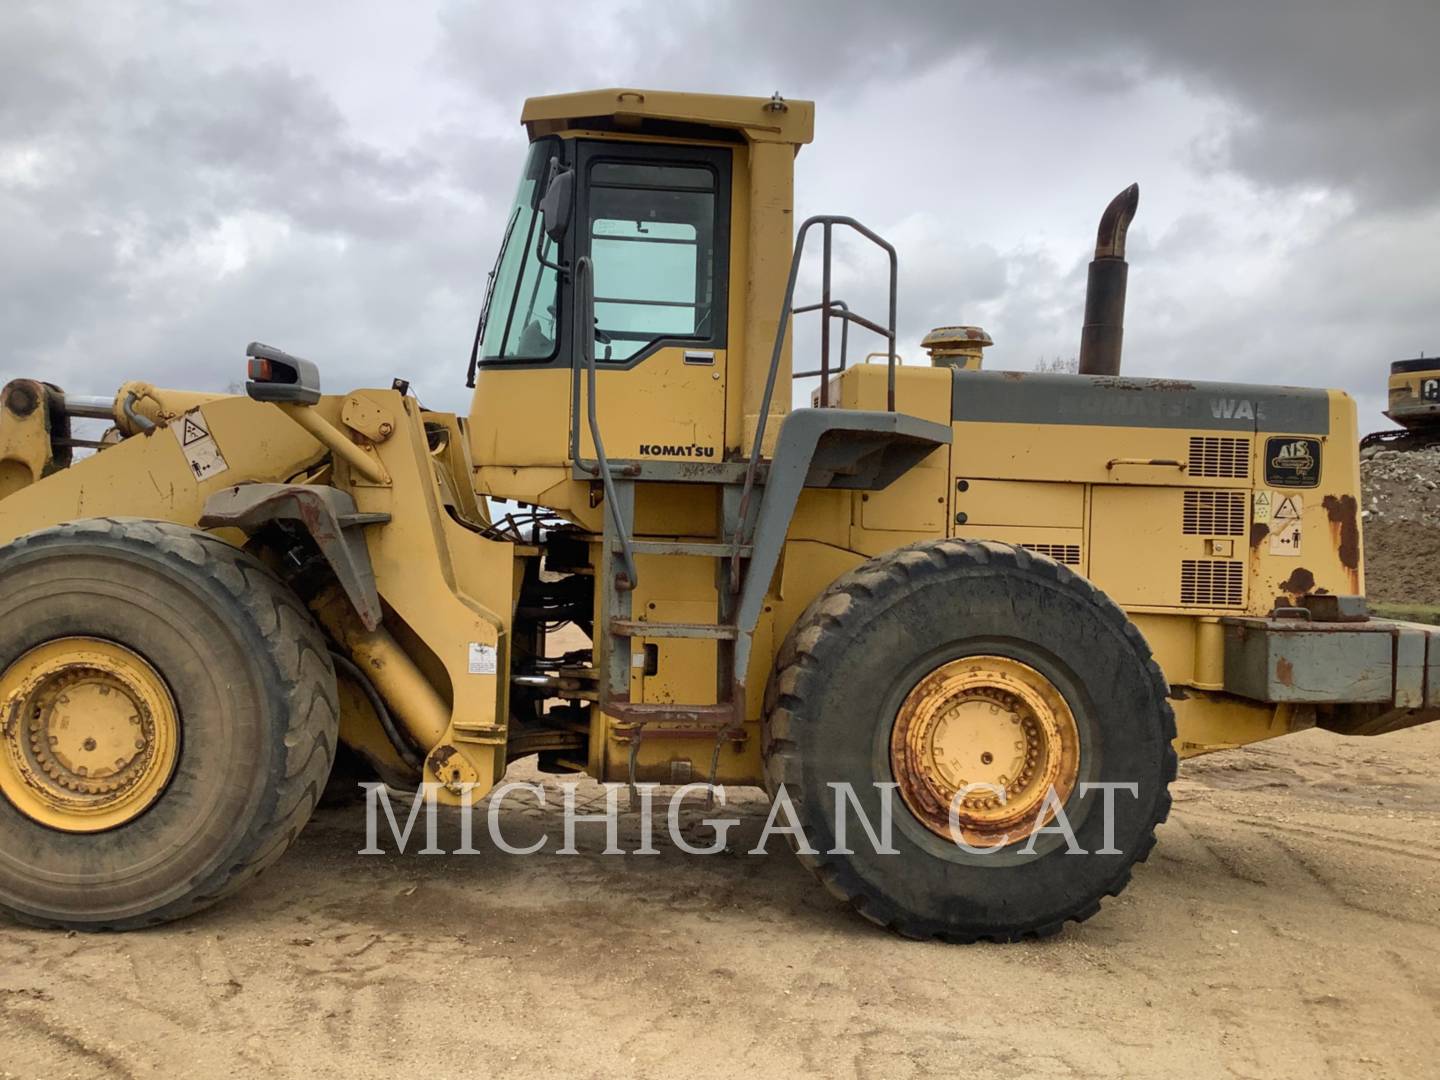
{"points": [[855, 653], [255, 691]]}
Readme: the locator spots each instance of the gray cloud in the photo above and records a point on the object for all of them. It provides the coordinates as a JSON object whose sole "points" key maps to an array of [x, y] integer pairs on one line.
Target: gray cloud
{"points": [[1325, 93], [159, 210]]}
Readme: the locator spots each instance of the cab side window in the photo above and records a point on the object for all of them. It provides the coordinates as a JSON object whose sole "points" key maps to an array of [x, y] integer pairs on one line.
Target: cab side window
{"points": [[652, 234]]}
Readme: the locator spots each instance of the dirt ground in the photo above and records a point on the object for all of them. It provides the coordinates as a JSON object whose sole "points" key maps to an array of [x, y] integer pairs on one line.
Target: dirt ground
{"points": [[1401, 558], [1401, 518], [1288, 925]]}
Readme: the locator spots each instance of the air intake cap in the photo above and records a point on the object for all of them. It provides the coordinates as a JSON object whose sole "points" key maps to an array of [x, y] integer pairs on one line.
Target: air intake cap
{"points": [[956, 346]]}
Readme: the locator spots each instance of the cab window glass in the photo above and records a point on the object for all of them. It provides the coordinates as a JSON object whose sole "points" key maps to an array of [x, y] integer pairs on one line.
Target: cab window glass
{"points": [[652, 242], [520, 305]]}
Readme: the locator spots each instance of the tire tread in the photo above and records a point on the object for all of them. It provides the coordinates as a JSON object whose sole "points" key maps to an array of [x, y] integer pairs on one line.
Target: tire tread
{"points": [[297, 649], [801, 657]]}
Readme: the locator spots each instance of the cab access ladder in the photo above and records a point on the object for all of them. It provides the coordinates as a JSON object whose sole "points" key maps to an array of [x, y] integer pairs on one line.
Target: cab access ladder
{"points": [[823, 447]]}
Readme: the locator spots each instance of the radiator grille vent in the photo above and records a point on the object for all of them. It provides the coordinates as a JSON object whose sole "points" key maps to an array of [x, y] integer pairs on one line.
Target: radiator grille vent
{"points": [[1069, 554], [1214, 513], [1212, 583], [1217, 455]]}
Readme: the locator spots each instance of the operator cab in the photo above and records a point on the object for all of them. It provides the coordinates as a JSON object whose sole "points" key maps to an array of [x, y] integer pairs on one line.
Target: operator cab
{"points": [[654, 222], [679, 203]]}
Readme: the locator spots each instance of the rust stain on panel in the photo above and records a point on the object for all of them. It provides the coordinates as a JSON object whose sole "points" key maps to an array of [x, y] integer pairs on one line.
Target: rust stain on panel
{"points": [[1345, 534], [1300, 582]]}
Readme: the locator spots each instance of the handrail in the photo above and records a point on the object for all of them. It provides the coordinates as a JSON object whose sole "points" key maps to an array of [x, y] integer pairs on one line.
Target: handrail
{"points": [[584, 303], [830, 309], [844, 339]]}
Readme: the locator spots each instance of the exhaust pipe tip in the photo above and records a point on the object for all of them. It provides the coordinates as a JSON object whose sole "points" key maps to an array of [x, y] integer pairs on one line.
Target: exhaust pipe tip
{"points": [[1104, 331], [1115, 223]]}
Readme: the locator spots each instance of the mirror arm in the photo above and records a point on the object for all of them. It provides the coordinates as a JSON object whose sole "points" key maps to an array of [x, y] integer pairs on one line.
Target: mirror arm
{"points": [[560, 268]]}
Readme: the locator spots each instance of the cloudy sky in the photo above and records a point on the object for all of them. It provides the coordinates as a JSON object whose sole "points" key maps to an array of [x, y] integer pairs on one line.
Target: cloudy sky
{"points": [[177, 179]]}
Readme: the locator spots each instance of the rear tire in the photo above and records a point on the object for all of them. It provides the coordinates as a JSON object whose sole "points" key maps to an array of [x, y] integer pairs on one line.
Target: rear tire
{"points": [[871, 642], [254, 689]]}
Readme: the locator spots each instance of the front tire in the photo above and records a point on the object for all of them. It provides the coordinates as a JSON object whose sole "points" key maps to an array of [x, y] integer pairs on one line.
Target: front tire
{"points": [[951, 663], [241, 678]]}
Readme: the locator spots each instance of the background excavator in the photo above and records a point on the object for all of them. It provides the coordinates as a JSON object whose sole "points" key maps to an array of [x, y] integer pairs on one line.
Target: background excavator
{"points": [[1414, 405]]}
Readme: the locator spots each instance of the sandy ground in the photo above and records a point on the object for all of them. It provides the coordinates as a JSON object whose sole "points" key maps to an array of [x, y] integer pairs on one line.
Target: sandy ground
{"points": [[1288, 925]]}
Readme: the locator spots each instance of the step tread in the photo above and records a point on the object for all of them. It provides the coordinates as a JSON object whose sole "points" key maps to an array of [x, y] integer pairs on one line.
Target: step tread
{"points": [[675, 720], [642, 628], [714, 549]]}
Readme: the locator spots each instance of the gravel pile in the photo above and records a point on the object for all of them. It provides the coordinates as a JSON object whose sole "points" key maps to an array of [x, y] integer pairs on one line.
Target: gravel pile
{"points": [[1402, 485], [1400, 508]]}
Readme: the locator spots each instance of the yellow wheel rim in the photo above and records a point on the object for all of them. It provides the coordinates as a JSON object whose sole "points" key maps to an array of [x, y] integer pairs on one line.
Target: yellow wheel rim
{"points": [[91, 734], [988, 724]]}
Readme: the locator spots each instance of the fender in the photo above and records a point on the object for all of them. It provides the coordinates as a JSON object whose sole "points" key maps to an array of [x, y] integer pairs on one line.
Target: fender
{"points": [[823, 448], [328, 517]]}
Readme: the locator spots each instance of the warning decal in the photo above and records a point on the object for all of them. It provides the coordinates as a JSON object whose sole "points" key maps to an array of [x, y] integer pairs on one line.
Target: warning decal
{"points": [[482, 659], [1261, 512], [1285, 524], [198, 445]]}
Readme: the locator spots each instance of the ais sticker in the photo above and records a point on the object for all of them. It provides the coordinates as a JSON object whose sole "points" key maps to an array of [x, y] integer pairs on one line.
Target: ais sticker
{"points": [[1292, 462]]}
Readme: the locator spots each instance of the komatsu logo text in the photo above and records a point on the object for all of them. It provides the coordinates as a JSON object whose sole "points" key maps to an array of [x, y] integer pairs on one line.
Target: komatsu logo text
{"points": [[685, 450]]}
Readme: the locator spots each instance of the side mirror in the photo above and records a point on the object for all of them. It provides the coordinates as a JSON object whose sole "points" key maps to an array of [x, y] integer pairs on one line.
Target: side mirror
{"points": [[555, 204]]}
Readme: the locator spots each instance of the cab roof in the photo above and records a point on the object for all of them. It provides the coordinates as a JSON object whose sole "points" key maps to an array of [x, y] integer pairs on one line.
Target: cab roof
{"points": [[771, 119]]}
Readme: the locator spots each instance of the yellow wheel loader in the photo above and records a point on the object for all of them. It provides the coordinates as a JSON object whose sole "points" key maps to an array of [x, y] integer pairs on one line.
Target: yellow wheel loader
{"points": [[995, 606]]}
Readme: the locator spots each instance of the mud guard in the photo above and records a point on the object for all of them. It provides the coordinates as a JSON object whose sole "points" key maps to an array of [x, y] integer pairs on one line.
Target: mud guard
{"points": [[327, 515], [824, 448]]}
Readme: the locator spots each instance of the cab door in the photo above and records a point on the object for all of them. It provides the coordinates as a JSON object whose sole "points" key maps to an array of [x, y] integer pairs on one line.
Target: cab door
{"points": [[655, 221]]}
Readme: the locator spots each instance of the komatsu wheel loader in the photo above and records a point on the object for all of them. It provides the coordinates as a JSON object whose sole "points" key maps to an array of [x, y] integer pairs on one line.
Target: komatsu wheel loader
{"points": [[983, 599]]}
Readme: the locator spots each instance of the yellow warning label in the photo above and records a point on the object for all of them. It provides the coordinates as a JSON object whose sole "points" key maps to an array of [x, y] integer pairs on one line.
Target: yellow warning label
{"points": [[1290, 508], [1261, 506]]}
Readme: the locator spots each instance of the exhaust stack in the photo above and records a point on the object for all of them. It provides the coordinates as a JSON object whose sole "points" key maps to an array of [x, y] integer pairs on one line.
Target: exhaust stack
{"points": [[1104, 330]]}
